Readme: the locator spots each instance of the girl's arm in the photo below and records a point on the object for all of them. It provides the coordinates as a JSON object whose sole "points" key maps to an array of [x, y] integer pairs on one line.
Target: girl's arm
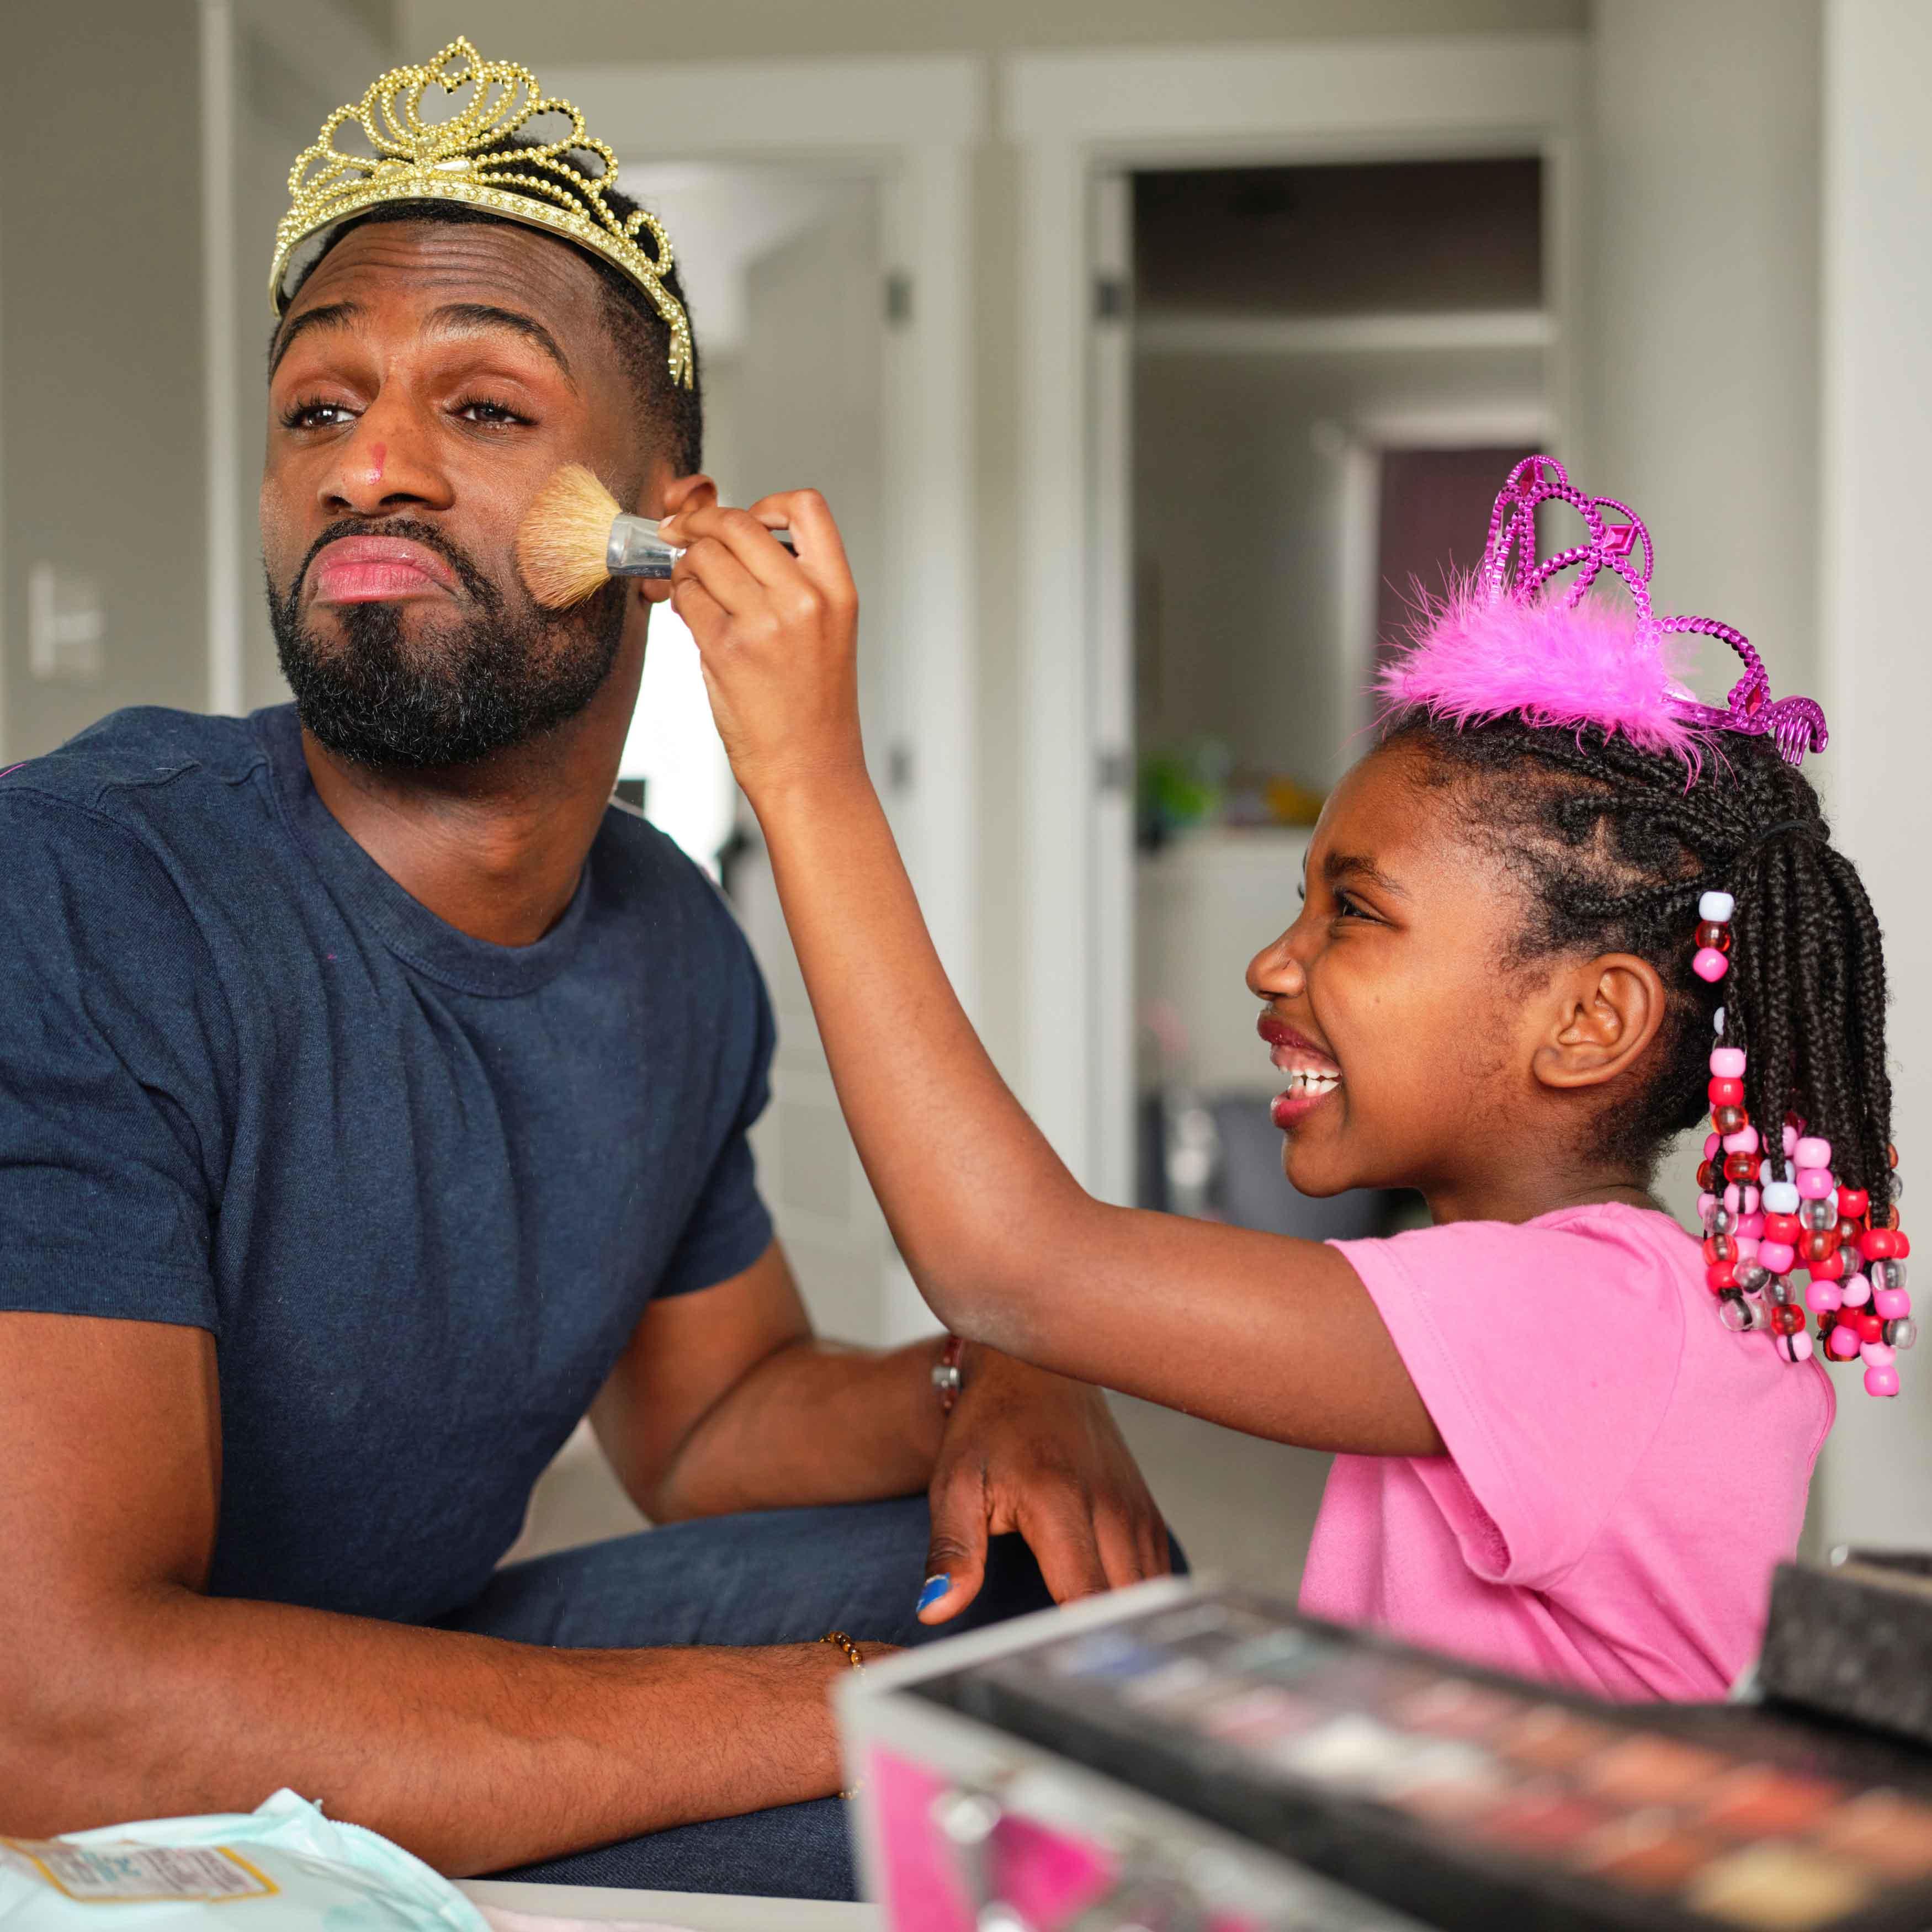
{"points": [[1270, 1335]]}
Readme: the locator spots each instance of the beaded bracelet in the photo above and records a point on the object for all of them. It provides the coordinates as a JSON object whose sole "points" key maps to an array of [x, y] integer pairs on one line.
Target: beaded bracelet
{"points": [[1759, 1227], [840, 1641]]}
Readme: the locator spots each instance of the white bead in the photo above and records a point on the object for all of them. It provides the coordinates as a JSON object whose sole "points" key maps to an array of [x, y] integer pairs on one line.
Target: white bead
{"points": [[1780, 1197], [1717, 1022], [1717, 907]]}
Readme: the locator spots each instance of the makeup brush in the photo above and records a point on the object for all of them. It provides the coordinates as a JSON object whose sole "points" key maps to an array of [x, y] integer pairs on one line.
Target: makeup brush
{"points": [[574, 539]]}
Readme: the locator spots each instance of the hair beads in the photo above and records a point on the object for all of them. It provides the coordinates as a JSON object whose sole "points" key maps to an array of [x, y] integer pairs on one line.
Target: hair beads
{"points": [[1760, 1228]]}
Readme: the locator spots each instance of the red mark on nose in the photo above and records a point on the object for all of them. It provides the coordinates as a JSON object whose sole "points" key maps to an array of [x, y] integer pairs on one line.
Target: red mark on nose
{"points": [[378, 454]]}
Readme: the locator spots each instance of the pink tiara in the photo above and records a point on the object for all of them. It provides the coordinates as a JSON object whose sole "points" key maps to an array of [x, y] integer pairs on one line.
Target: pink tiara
{"points": [[1497, 644]]}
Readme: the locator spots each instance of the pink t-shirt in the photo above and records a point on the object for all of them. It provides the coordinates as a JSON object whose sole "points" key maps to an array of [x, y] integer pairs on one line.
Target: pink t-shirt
{"points": [[1623, 1471]]}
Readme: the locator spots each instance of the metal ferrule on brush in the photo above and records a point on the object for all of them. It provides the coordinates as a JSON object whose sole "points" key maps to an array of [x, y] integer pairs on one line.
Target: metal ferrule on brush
{"points": [[636, 550]]}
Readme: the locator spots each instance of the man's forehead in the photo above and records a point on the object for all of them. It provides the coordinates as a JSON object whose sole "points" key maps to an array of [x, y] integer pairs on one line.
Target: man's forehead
{"points": [[427, 265]]}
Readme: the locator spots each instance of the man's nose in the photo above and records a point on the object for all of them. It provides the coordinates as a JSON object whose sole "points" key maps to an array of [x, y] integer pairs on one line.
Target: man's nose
{"points": [[386, 464]]}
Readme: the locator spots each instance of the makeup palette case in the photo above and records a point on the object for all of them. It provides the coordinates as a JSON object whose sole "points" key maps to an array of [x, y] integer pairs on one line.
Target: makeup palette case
{"points": [[1177, 1758]]}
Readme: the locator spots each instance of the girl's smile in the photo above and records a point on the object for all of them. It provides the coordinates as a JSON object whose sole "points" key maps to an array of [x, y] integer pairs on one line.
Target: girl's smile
{"points": [[1313, 1074]]}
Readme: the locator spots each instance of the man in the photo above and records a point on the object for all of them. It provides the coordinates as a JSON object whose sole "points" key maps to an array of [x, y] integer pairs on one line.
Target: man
{"points": [[373, 1104]]}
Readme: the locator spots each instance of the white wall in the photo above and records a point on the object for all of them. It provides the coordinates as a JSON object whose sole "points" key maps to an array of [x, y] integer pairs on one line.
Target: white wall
{"points": [[1877, 1481]]}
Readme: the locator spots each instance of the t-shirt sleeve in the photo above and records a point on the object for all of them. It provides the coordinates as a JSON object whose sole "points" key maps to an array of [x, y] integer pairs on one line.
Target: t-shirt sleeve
{"points": [[1546, 1357], [729, 1227], [112, 1135]]}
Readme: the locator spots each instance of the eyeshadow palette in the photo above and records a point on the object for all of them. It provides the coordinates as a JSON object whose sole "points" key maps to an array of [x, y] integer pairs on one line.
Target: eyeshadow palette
{"points": [[1466, 1799]]}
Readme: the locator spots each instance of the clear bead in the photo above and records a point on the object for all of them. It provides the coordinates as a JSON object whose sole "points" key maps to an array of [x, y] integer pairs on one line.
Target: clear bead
{"points": [[1780, 1291], [1897, 1186], [1901, 1333], [1722, 1220], [1894, 1273], [1760, 1315], [1752, 1276], [1734, 1312], [1819, 1215]]}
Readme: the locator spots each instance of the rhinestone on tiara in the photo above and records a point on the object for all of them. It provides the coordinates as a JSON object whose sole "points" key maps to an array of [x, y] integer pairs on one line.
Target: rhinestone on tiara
{"points": [[468, 157]]}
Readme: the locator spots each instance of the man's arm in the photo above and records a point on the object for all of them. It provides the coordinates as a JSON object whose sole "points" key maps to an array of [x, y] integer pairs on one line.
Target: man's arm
{"points": [[125, 1693], [725, 1400]]}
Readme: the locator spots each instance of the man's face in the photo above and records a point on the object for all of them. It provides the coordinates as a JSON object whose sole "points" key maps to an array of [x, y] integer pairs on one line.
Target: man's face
{"points": [[428, 379]]}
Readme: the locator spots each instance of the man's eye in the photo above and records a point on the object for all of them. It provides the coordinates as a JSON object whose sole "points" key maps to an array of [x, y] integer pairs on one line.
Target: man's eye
{"points": [[316, 415], [490, 415]]}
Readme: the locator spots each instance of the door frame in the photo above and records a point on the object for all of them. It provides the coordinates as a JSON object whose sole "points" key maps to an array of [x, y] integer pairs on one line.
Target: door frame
{"points": [[1076, 119], [912, 123]]}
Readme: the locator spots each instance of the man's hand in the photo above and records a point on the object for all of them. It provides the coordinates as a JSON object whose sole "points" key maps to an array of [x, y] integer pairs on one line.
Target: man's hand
{"points": [[1033, 1452]]}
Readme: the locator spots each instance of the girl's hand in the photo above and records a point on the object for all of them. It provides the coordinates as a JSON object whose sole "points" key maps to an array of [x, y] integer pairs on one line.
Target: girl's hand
{"points": [[777, 635]]}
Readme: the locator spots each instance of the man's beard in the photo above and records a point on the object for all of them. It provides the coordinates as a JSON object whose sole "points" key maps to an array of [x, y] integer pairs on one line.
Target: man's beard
{"points": [[454, 692]]}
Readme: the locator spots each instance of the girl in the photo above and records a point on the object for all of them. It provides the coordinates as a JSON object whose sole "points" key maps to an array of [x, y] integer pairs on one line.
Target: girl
{"points": [[1559, 912]]}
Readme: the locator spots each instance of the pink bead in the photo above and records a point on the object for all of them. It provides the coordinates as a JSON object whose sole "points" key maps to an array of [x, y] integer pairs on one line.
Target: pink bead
{"points": [[1709, 964], [1744, 1141], [1823, 1298], [1734, 1198], [1790, 1137], [1777, 1256], [1842, 1345], [1751, 1223], [1856, 1290], [1727, 1062], [1891, 1304], [1750, 1198], [1795, 1348], [1814, 1183], [1711, 1145], [1747, 1245], [1877, 1355], [1812, 1152], [1706, 1203], [1881, 1381]]}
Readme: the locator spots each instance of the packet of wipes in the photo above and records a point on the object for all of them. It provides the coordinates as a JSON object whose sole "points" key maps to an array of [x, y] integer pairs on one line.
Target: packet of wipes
{"points": [[284, 1867]]}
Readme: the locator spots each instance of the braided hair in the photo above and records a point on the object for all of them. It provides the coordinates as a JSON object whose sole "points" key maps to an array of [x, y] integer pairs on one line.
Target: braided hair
{"points": [[1613, 850]]}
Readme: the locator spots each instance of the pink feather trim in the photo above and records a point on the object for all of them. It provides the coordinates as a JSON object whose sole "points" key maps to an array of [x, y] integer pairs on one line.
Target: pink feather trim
{"points": [[1475, 659]]}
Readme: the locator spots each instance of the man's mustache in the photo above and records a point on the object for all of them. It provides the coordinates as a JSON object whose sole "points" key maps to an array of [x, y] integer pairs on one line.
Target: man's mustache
{"points": [[481, 590]]}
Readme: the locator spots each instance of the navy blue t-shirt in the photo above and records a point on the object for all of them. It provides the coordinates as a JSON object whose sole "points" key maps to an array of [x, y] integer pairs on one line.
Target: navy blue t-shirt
{"points": [[420, 1188]]}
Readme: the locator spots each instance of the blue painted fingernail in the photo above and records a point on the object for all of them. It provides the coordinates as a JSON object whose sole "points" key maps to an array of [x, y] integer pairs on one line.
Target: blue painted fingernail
{"points": [[936, 1587]]}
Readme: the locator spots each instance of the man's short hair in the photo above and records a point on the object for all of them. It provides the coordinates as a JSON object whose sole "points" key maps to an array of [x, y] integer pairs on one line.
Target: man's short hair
{"points": [[674, 413]]}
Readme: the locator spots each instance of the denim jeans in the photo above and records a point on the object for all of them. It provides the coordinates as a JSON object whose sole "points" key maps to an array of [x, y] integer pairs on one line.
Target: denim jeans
{"points": [[773, 1576]]}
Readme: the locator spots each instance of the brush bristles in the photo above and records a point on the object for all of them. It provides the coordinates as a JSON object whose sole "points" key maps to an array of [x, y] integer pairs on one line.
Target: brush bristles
{"points": [[565, 538]]}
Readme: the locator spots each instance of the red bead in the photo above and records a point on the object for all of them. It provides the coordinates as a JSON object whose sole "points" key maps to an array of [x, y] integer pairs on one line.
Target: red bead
{"points": [[1901, 1246], [1706, 1178], [1831, 1268], [1720, 1248], [1847, 1231], [1725, 1093], [1853, 1202], [1876, 1243], [1785, 1228], [1816, 1245], [1890, 1155], [1867, 1326], [1786, 1319], [1740, 1166], [1721, 1276], [1727, 1120], [1710, 933]]}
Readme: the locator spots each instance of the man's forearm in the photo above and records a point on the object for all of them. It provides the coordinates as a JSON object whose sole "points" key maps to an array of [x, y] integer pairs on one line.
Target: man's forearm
{"points": [[812, 1423], [475, 1753]]}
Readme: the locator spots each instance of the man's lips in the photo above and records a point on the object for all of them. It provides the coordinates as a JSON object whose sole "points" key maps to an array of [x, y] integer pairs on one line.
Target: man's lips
{"points": [[1313, 1074], [374, 570]]}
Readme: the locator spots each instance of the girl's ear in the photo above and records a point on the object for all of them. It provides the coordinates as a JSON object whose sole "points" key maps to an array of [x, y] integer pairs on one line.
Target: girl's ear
{"points": [[1608, 1011]]}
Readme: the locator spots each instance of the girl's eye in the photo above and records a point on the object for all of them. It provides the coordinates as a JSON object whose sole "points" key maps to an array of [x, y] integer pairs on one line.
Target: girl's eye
{"points": [[489, 415], [1345, 907], [316, 415]]}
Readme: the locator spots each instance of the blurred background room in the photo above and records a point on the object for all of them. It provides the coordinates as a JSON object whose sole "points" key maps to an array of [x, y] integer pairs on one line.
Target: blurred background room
{"points": [[1152, 359]]}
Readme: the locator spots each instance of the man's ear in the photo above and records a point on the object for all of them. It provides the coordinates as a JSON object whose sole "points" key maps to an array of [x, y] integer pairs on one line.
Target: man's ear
{"points": [[1607, 1012], [696, 492]]}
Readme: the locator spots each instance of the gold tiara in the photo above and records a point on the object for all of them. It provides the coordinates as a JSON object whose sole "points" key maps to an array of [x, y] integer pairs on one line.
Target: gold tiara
{"points": [[469, 157]]}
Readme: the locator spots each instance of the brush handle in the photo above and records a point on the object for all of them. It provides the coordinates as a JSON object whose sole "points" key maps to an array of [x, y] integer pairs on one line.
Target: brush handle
{"points": [[636, 550]]}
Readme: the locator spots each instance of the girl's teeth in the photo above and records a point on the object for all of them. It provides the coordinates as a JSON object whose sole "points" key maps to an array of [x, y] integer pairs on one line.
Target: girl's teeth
{"points": [[1301, 1079]]}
